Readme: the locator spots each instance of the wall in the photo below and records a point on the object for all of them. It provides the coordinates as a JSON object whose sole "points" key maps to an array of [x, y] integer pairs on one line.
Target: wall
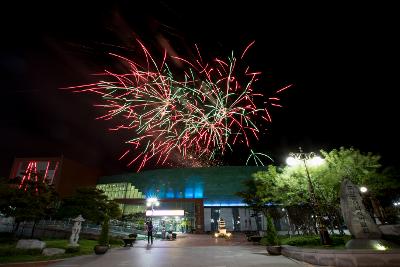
{"points": [[345, 258], [247, 223], [74, 175], [65, 174]]}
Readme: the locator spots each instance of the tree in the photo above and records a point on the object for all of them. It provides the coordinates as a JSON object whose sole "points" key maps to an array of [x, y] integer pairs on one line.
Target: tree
{"points": [[387, 192], [261, 193], [385, 185], [362, 169], [91, 203], [27, 200], [252, 200], [6, 194], [288, 186]]}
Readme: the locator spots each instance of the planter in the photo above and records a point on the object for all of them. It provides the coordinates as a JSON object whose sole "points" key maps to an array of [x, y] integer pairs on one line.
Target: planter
{"points": [[274, 250], [100, 249]]}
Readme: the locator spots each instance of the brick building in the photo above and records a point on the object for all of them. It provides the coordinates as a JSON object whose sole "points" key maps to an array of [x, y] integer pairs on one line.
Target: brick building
{"points": [[65, 174]]}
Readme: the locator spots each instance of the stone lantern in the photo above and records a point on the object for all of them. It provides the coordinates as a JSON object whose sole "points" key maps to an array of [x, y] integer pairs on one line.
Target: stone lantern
{"points": [[76, 229]]}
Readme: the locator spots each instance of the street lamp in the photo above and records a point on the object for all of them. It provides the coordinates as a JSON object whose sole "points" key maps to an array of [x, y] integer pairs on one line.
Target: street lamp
{"points": [[312, 160], [150, 202], [363, 189]]}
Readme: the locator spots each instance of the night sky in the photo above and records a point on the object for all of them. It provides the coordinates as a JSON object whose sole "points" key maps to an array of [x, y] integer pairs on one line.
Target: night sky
{"points": [[342, 61]]}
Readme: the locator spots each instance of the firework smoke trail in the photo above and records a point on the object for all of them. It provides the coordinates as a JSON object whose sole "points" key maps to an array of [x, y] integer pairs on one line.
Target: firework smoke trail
{"points": [[209, 108]]}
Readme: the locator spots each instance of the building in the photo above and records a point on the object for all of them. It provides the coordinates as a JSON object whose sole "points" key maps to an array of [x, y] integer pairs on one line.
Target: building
{"points": [[66, 175], [190, 199]]}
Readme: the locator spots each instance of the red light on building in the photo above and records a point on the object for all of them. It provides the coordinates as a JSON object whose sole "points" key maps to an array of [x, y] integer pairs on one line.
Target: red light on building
{"points": [[66, 175]]}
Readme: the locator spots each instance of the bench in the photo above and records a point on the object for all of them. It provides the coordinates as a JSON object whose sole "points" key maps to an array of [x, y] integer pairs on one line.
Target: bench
{"points": [[254, 238], [129, 240], [171, 235]]}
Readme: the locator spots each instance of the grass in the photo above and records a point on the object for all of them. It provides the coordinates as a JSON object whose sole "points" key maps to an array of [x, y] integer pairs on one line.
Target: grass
{"points": [[9, 254]]}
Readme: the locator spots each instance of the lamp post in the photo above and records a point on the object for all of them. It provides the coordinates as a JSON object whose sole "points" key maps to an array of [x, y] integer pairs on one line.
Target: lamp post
{"points": [[150, 202], [314, 160]]}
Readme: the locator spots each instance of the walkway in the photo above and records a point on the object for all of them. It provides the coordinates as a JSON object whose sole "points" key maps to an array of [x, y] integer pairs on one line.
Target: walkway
{"points": [[186, 251]]}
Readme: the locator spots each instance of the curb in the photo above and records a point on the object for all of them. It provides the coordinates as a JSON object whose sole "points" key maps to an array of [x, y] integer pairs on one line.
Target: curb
{"points": [[30, 263]]}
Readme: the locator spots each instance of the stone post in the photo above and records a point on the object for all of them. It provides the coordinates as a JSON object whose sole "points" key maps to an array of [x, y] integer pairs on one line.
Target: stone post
{"points": [[362, 227]]}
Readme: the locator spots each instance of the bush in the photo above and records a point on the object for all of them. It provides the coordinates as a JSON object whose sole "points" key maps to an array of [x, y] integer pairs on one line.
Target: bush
{"points": [[254, 238], [338, 240], [300, 241], [72, 249], [392, 238], [263, 241], [6, 237], [12, 251], [314, 240], [8, 252], [116, 241]]}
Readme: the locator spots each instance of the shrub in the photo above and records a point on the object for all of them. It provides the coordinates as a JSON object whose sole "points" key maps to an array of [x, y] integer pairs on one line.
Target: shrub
{"points": [[116, 241], [271, 236], [6, 237], [12, 251], [104, 239], [392, 238], [254, 238], [72, 249], [263, 241], [338, 240], [300, 241], [313, 240]]}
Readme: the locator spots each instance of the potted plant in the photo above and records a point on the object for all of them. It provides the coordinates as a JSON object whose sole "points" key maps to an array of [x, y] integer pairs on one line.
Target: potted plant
{"points": [[103, 243], [273, 242]]}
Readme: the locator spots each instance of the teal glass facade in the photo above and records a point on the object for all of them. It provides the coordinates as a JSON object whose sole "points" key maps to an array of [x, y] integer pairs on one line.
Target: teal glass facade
{"points": [[216, 185], [200, 192]]}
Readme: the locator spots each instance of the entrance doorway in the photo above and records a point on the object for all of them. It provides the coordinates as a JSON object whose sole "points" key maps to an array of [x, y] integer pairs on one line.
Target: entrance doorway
{"points": [[178, 224]]}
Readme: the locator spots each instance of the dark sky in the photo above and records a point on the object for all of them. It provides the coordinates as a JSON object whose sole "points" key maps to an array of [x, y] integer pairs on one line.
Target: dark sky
{"points": [[342, 61]]}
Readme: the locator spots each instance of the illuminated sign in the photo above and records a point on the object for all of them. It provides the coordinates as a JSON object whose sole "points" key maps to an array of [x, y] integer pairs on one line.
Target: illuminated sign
{"points": [[225, 204], [165, 213]]}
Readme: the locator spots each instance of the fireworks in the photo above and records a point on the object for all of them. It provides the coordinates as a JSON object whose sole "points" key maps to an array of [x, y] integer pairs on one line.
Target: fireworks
{"points": [[199, 111]]}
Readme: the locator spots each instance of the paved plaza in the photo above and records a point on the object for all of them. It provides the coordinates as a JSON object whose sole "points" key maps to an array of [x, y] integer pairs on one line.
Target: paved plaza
{"points": [[186, 251]]}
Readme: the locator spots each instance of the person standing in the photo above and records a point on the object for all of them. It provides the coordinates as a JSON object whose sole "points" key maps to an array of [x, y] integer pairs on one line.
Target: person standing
{"points": [[163, 232], [149, 232]]}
